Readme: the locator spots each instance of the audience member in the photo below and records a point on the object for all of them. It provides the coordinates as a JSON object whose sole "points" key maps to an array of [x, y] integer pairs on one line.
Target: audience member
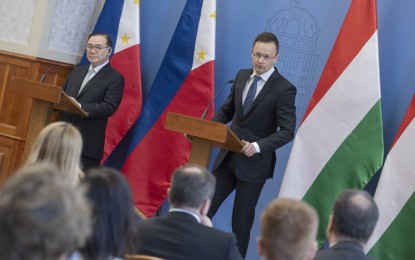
{"points": [[59, 144], [114, 230], [41, 215], [288, 231], [186, 232], [350, 226]]}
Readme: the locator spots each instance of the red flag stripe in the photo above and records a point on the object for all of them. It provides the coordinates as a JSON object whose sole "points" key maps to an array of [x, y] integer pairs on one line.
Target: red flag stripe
{"points": [[351, 39]]}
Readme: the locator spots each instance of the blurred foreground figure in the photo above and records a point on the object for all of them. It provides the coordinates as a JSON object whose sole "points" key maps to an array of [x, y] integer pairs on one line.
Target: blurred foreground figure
{"points": [[288, 231], [42, 216]]}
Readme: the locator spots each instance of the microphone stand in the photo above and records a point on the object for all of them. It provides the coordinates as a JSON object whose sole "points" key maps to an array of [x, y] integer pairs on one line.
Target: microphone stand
{"points": [[208, 106]]}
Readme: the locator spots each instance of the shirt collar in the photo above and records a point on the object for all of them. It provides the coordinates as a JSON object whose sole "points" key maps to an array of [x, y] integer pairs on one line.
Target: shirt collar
{"points": [[98, 68], [264, 76], [186, 211]]}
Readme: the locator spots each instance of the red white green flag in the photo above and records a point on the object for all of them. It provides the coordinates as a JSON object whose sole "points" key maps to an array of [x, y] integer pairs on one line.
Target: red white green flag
{"points": [[339, 143]]}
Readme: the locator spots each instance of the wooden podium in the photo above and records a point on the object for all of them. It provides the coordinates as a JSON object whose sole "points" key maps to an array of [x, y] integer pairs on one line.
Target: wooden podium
{"points": [[45, 97], [205, 135]]}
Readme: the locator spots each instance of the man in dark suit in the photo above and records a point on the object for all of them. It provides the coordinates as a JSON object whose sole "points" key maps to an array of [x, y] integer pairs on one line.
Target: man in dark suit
{"points": [[98, 88], [350, 226], [261, 106], [186, 232]]}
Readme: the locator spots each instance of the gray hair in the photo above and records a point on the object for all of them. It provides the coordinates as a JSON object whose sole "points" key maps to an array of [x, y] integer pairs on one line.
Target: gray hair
{"points": [[191, 185]]}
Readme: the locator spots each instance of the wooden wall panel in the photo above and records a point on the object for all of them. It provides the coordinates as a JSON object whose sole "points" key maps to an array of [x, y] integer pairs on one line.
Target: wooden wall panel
{"points": [[15, 109]]}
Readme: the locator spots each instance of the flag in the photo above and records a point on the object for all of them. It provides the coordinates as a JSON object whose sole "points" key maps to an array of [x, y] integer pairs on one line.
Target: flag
{"points": [[120, 20], [395, 197], [339, 143], [184, 84]]}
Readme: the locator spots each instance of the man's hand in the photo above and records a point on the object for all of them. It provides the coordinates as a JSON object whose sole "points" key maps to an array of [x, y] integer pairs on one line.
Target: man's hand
{"points": [[188, 137], [205, 220], [248, 149]]}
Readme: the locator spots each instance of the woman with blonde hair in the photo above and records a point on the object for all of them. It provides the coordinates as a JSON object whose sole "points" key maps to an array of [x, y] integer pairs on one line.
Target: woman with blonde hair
{"points": [[60, 144]]}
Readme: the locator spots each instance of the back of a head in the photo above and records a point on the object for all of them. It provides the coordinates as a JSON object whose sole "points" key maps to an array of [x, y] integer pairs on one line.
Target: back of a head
{"points": [[190, 186], [354, 215], [41, 215], [60, 144], [288, 230], [114, 231]]}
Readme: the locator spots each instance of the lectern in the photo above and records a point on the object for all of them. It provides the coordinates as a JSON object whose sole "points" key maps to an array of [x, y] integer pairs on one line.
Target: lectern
{"points": [[45, 97], [205, 135]]}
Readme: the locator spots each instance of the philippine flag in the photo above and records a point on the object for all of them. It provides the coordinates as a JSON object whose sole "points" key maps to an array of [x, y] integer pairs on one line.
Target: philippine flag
{"points": [[120, 20], [184, 84]]}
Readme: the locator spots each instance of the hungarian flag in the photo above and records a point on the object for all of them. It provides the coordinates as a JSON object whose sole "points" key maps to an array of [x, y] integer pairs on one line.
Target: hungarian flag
{"points": [[184, 84], [339, 143], [120, 20], [395, 197]]}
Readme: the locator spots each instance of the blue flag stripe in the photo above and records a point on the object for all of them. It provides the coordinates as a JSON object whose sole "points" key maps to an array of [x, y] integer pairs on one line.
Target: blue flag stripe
{"points": [[173, 70]]}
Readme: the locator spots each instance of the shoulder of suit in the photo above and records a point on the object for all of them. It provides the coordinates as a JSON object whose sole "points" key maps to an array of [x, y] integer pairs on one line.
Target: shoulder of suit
{"points": [[81, 68], [113, 70], [216, 232], [245, 71]]}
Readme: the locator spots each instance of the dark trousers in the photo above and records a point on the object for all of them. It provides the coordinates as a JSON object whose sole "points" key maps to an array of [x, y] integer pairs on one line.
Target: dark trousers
{"points": [[246, 198], [89, 162]]}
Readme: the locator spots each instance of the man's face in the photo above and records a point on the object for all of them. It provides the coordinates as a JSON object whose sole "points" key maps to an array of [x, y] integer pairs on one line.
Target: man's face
{"points": [[264, 56], [97, 50]]}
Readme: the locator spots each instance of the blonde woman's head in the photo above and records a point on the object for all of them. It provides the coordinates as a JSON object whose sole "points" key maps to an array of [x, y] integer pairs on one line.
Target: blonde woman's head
{"points": [[60, 144]]}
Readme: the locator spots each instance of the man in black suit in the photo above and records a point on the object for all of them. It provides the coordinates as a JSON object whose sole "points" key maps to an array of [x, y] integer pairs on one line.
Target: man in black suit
{"points": [[98, 88], [186, 232], [261, 106], [350, 226]]}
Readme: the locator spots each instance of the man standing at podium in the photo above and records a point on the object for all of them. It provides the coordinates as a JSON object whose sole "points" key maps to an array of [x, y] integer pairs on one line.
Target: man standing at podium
{"points": [[98, 89], [261, 106]]}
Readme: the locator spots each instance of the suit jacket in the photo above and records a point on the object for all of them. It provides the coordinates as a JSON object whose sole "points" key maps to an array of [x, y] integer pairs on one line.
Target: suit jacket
{"points": [[270, 122], [178, 236], [343, 251], [100, 97]]}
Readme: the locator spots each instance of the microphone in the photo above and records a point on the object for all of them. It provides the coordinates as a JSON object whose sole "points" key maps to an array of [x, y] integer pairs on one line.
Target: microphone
{"points": [[42, 78], [208, 106]]}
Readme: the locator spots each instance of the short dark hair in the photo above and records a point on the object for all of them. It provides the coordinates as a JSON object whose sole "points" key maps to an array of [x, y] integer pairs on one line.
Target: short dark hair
{"points": [[355, 215], [42, 215], [107, 37], [114, 232], [191, 184], [267, 37]]}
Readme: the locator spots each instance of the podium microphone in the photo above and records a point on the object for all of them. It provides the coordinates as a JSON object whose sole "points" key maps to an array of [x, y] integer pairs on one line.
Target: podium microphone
{"points": [[42, 78], [208, 106]]}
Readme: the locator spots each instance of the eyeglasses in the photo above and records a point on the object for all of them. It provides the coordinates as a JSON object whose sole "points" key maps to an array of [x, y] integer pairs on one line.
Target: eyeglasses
{"points": [[258, 56], [91, 47]]}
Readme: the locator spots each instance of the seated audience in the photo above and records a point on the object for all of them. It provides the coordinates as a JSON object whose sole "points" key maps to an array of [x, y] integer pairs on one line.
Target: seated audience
{"points": [[60, 144], [288, 231], [350, 226], [186, 232], [114, 229], [42, 216]]}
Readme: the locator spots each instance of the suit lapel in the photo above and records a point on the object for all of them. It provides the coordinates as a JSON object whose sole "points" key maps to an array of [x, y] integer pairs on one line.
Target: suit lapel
{"points": [[239, 88], [73, 89], [265, 89], [101, 73]]}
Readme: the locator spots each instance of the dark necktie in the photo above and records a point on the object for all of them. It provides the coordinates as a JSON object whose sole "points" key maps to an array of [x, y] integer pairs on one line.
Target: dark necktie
{"points": [[250, 96]]}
